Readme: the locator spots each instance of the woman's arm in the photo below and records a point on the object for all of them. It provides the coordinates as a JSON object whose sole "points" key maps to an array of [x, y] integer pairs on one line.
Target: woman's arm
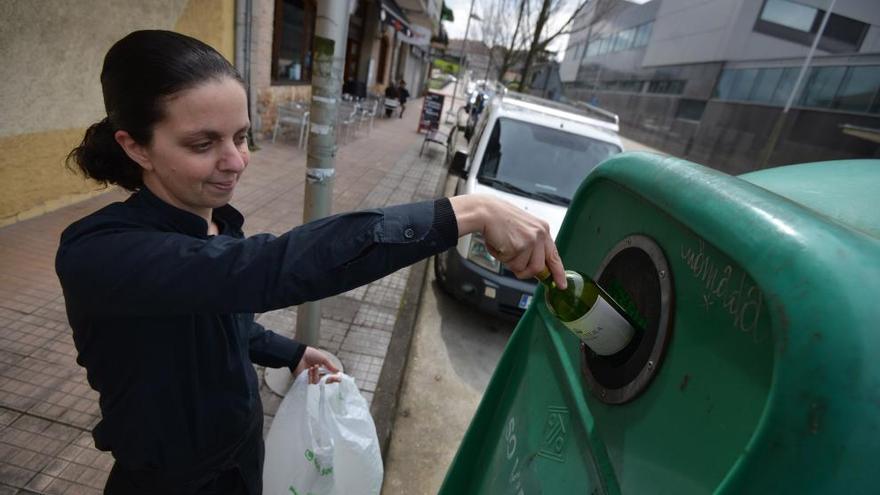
{"points": [[518, 239], [111, 268], [114, 266]]}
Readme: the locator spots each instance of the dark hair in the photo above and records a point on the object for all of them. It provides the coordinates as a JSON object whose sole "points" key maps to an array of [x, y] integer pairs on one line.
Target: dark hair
{"points": [[140, 71]]}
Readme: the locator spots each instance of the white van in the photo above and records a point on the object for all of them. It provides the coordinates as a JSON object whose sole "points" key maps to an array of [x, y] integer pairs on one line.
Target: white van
{"points": [[533, 153]]}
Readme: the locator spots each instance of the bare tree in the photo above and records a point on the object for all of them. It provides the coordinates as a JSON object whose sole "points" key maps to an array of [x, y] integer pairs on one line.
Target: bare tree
{"points": [[541, 35], [502, 36]]}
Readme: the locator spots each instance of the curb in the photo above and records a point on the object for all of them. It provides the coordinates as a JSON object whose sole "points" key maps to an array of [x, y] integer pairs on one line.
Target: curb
{"points": [[385, 397]]}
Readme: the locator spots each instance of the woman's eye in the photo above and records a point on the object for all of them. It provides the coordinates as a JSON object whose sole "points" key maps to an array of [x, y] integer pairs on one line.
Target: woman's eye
{"points": [[200, 147]]}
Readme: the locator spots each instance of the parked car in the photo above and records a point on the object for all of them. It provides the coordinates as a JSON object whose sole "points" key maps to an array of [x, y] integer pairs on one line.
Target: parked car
{"points": [[533, 153]]}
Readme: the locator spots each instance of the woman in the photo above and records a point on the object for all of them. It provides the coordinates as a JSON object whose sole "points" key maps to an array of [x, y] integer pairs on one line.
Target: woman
{"points": [[161, 289]]}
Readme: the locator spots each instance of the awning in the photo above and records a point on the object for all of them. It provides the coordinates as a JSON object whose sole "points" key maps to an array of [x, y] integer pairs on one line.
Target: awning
{"points": [[391, 14]]}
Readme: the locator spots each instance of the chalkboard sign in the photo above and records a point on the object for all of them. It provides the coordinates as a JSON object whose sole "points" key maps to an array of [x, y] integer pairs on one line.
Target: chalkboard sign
{"points": [[432, 109]]}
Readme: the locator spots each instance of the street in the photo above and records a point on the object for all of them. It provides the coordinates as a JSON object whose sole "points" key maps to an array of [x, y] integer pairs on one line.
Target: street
{"points": [[453, 354]]}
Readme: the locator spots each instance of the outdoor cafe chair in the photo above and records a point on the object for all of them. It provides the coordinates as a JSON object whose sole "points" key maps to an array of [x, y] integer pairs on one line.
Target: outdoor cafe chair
{"points": [[368, 113], [346, 119], [294, 114]]}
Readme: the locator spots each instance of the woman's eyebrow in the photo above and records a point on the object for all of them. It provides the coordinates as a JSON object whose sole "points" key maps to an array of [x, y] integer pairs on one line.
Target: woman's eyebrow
{"points": [[210, 133]]}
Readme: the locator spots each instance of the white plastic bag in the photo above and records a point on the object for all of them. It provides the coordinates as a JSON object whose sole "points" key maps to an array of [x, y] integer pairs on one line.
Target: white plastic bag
{"points": [[322, 442]]}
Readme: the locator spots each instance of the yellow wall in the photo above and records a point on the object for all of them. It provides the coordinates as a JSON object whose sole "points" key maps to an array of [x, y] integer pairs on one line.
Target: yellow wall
{"points": [[52, 52]]}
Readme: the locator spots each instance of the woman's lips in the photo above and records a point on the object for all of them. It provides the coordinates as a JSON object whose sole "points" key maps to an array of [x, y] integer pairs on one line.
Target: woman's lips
{"points": [[224, 186]]}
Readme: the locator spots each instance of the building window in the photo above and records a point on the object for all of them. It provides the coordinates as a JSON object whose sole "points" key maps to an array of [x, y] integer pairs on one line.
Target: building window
{"points": [[742, 85], [666, 87], [623, 40], [690, 109], [785, 86], [789, 14], [860, 90], [821, 86], [643, 34], [292, 41], [799, 23], [636, 37], [765, 85], [853, 89]]}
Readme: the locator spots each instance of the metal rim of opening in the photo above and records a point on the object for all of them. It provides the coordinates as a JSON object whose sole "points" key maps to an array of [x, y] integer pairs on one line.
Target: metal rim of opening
{"points": [[641, 381]]}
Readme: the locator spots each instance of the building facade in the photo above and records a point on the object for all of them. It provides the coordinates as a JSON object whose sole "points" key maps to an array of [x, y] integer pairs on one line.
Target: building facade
{"points": [[52, 56], [387, 41], [708, 80], [53, 52]]}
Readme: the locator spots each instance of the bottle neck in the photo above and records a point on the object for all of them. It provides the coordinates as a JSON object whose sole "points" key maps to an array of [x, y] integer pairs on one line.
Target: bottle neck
{"points": [[545, 278]]}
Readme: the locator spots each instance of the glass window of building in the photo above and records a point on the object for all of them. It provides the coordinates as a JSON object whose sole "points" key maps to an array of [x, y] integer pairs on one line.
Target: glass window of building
{"points": [[765, 85], [617, 42], [668, 87], [799, 23], [643, 34], [625, 39], [690, 109], [742, 86], [821, 86], [292, 41], [725, 84], [845, 32], [785, 86], [859, 89], [604, 45], [789, 14]]}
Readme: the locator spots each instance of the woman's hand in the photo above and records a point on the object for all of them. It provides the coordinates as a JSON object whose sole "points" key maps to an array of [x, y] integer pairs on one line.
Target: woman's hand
{"points": [[516, 238], [312, 360]]}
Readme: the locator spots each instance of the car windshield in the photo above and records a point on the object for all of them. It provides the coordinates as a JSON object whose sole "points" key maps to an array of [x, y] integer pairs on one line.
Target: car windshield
{"points": [[539, 162]]}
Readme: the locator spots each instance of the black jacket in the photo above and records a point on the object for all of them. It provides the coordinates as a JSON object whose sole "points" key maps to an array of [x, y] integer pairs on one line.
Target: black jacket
{"points": [[163, 314]]}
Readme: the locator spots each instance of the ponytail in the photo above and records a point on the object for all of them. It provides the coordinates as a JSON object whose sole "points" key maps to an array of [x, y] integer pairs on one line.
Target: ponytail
{"points": [[101, 158]]}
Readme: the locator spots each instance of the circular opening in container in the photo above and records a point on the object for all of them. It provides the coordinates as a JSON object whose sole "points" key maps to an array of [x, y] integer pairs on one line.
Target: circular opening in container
{"points": [[636, 274]]}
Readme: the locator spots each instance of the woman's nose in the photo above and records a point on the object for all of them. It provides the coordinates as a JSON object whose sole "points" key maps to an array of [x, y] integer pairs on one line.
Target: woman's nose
{"points": [[234, 158]]}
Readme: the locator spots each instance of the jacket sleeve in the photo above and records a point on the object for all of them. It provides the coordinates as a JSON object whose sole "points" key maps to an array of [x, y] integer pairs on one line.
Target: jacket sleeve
{"points": [[267, 348], [114, 269]]}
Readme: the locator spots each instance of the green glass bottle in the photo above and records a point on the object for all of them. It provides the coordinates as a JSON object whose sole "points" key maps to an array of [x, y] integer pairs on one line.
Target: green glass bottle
{"points": [[589, 312]]}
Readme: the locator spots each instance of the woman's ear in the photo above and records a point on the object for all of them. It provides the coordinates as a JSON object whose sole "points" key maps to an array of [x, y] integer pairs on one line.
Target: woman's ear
{"points": [[133, 149]]}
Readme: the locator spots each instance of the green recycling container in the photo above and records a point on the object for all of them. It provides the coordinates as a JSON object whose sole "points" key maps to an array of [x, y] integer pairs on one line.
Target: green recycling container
{"points": [[758, 368]]}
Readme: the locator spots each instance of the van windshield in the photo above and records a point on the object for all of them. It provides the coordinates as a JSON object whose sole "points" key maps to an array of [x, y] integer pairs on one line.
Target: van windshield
{"points": [[539, 162]]}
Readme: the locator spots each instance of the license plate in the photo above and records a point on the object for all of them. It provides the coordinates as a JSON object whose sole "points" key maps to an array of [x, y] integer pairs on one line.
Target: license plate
{"points": [[524, 301]]}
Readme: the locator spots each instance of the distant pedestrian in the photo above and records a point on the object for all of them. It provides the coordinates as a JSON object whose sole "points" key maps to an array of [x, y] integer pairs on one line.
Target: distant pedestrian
{"points": [[402, 95], [391, 99], [161, 289]]}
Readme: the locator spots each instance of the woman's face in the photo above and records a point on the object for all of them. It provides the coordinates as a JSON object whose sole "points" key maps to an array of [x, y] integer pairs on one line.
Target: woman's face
{"points": [[199, 150]]}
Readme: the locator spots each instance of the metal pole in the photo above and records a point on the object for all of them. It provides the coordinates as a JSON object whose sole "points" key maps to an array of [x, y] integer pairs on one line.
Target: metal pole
{"points": [[467, 27], [780, 122], [331, 29]]}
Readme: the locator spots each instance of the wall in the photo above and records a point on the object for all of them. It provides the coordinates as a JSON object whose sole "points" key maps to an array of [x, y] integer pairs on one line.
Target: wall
{"points": [[52, 52]]}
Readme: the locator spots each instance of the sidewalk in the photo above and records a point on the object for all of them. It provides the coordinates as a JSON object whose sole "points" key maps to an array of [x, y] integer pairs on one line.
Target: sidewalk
{"points": [[47, 409]]}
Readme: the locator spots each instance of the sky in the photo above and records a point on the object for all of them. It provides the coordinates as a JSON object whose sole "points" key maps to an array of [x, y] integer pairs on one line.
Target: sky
{"points": [[460, 11]]}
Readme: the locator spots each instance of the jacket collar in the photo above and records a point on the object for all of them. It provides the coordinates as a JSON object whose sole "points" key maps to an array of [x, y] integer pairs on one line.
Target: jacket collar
{"points": [[227, 218]]}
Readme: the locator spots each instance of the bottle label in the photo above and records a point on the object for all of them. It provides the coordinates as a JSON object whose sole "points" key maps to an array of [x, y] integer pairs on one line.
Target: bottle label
{"points": [[602, 328]]}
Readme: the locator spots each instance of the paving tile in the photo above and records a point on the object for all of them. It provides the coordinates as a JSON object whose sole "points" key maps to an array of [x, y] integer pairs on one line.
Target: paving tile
{"points": [[383, 295], [14, 475], [378, 317], [369, 341]]}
